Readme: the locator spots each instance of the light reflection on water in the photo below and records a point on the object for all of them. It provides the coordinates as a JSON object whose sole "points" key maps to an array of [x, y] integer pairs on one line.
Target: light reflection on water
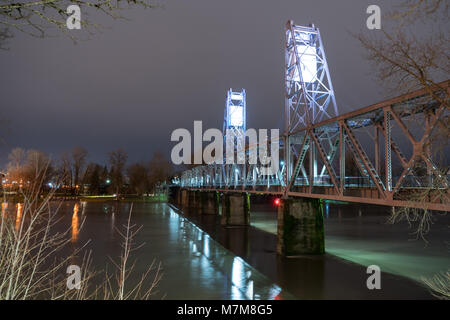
{"points": [[19, 207], [75, 222], [194, 265], [246, 282], [4, 207]]}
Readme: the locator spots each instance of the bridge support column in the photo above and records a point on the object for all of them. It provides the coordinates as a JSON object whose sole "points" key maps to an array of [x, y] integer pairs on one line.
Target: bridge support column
{"points": [[194, 200], [235, 209], [209, 202], [184, 198], [300, 227], [174, 196], [179, 197]]}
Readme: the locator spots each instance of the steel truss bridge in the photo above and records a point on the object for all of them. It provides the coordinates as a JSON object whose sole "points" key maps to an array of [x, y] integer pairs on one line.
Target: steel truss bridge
{"points": [[383, 154]]}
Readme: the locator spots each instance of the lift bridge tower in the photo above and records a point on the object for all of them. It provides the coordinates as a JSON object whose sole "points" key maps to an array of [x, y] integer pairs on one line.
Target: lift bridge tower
{"points": [[309, 98], [234, 124]]}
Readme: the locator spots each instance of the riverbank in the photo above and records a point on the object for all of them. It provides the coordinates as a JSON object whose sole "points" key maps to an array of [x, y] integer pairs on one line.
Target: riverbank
{"points": [[125, 198], [99, 198]]}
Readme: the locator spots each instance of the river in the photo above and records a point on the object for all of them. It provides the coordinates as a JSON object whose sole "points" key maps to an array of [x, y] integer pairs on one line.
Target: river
{"points": [[202, 260]]}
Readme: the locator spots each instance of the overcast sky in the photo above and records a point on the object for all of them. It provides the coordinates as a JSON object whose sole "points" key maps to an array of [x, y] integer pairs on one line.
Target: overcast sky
{"points": [[131, 85]]}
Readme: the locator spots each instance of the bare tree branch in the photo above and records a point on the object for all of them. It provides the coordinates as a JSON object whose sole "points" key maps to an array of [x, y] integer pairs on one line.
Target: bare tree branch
{"points": [[35, 18]]}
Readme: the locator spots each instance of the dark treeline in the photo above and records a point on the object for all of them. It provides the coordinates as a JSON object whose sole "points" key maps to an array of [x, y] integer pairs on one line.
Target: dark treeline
{"points": [[73, 174]]}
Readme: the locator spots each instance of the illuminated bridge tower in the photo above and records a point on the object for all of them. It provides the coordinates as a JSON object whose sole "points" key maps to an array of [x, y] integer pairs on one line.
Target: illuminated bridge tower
{"points": [[309, 91], [235, 125], [235, 110], [309, 99]]}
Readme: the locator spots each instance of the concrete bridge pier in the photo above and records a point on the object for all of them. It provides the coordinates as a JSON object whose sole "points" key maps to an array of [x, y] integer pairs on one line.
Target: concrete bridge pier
{"points": [[184, 198], [209, 202], [180, 198], [195, 200], [176, 196], [191, 199], [235, 209], [188, 199], [300, 227]]}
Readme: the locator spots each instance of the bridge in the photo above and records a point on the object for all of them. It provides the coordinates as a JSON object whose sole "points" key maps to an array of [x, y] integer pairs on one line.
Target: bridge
{"points": [[383, 154]]}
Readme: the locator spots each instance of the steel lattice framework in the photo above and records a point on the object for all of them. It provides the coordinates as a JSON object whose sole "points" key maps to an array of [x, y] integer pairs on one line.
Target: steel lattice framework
{"points": [[309, 91], [381, 154], [235, 111], [234, 126], [309, 96]]}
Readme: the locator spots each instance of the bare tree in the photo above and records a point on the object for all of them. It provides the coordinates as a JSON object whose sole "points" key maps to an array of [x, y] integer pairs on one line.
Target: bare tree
{"points": [[92, 178], [79, 155], [38, 168], [138, 177], [405, 59], [30, 169], [37, 17], [5, 35], [15, 166], [125, 268], [17, 156], [65, 170], [403, 62], [410, 10], [117, 161], [160, 169]]}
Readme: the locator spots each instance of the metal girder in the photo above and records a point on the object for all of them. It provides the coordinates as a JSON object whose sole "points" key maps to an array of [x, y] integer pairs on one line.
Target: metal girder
{"points": [[304, 148], [325, 161], [331, 154], [365, 159]]}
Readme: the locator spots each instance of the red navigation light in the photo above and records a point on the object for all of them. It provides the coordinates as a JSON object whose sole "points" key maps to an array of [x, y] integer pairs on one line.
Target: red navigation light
{"points": [[277, 201]]}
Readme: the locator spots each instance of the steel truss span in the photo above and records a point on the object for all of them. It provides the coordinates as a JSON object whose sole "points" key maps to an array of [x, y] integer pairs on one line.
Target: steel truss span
{"points": [[335, 141], [384, 154]]}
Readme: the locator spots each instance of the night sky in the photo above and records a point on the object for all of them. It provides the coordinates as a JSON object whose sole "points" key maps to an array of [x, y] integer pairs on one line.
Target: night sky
{"points": [[136, 81]]}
